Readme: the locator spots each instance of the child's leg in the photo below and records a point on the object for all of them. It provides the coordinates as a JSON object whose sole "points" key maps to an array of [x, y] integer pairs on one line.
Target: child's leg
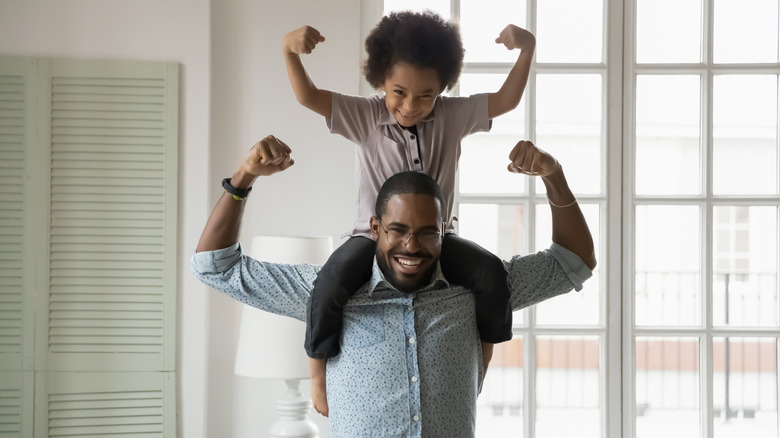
{"points": [[467, 264], [319, 396], [347, 269]]}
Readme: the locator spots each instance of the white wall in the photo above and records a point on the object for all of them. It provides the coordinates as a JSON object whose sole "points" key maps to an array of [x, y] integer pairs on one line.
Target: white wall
{"points": [[233, 92]]}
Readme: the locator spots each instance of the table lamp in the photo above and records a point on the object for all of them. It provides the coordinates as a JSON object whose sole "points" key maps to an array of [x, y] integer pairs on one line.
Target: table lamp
{"points": [[271, 346]]}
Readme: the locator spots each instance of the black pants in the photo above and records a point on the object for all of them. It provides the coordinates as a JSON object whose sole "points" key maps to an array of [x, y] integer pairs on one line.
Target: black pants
{"points": [[349, 267]]}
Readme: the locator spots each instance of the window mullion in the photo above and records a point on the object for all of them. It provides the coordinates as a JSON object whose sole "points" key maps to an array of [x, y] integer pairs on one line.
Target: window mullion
{"points": [[611, 230]]}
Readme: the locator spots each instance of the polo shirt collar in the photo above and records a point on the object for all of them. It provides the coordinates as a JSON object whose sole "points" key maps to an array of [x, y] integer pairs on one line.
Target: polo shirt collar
{"points": [[378, 280]]}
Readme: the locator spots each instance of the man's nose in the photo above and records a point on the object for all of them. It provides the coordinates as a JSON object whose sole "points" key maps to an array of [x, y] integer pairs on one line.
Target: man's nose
{"points": [[411, 243]]}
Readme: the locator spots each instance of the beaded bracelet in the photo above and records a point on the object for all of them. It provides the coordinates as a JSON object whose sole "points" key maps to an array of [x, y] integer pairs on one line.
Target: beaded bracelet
{"points": [[562, 206]]}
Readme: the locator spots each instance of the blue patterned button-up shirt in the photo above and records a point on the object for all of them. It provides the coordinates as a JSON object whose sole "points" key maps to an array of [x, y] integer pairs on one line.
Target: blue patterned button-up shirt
{"points": [[410, 364]]}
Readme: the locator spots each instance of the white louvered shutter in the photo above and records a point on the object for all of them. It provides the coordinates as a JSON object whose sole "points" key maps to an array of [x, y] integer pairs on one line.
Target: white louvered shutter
{"points": [[17, 263], [113, 214], [91, 193], [107, 404]]}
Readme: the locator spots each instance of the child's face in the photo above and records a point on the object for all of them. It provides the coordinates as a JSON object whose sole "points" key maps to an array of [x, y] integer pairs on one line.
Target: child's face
{"points": [[410, 92]]}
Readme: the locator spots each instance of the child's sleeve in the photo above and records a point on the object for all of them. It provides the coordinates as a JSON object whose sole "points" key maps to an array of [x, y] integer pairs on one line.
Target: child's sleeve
{"points": [[356, 117], [469, 114]]}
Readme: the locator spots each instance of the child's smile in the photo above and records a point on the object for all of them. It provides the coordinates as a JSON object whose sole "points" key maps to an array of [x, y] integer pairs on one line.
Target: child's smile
{"points": [[411, 92]]}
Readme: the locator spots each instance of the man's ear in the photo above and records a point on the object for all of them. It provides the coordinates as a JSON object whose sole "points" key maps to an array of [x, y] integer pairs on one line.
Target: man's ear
{"points": [[373, 224]]}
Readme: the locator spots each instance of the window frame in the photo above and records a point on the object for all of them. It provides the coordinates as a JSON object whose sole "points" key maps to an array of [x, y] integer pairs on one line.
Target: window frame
{"points": [[617, 202]]}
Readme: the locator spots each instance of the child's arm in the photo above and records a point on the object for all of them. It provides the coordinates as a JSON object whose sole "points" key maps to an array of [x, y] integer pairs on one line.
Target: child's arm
{"points": [[508, 97], [295, 43]]}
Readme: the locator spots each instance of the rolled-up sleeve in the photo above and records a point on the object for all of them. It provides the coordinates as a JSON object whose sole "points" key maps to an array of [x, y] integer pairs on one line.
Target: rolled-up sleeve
{"points": [[280, 289], [536, 277]]}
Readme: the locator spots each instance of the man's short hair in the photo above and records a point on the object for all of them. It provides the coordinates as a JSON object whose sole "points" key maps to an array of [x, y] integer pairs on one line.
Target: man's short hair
{"points": [[406, 182]]}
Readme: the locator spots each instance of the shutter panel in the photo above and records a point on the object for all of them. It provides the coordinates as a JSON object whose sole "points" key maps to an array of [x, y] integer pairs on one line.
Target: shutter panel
{"points": [[88, 184], [112, 229], [16, 307], [16, 403], [107, 405]]}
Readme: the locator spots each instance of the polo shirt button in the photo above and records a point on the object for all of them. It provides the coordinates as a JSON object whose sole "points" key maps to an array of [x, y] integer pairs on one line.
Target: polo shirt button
{"points": [[412, 136], [416, 161], [414, 378], [416, 418], [411, 340]]}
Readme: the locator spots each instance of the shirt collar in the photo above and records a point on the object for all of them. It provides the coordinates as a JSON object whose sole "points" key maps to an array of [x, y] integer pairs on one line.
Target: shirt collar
{"points": [[378, 280]]}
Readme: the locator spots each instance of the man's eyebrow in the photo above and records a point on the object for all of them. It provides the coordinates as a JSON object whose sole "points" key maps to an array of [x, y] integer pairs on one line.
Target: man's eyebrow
{"points": [[400, 225]]}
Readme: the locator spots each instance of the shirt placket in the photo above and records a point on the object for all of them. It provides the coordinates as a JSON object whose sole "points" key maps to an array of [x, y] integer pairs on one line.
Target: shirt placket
{"points": [[413, 371], [413, 151]]}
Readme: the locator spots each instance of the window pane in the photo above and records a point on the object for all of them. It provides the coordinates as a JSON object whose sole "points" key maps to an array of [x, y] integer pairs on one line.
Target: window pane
{"points": [[500, 405], [679, 40], [497, 228], [574, 308], [568, 125], [480, 24], [483, 162], [745, 387], [484, 156], [745, 31], [667, 135], [745, 290], [667, 284], [567, 387], [510, 124], [569, 31], [745, 134], [667, 387], [441, 7]]}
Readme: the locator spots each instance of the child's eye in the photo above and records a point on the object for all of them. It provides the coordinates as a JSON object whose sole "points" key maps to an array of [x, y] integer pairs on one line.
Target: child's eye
{"points": [[400, 92]]}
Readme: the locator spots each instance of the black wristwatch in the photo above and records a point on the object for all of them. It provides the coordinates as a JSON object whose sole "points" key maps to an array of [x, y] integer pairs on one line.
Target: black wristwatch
{"points": [[238, 194]]}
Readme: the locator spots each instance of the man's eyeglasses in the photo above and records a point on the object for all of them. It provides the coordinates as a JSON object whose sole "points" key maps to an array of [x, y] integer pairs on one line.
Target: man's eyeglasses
{"points": [[398, 236]]}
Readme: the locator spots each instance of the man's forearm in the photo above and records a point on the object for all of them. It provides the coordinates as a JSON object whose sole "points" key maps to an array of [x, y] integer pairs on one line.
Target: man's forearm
{"points": [[570, 229], [224, 223]]}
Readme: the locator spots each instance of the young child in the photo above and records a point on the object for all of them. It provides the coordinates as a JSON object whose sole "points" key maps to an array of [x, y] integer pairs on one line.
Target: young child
{"points": [[412, 59]]}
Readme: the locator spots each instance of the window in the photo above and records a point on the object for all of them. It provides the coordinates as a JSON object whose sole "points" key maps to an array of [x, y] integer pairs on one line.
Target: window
{"points": [[664, 114], [702, 218]]}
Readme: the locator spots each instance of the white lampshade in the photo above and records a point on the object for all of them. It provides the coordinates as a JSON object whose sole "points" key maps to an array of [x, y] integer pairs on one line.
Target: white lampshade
{"points": [[271, 346]]}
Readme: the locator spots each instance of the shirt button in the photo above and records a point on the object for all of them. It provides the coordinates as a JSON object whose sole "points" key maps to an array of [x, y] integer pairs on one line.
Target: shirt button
{"points": [[416, 418], [411, 340], [416, 161], [414, 378], [412, 136]]}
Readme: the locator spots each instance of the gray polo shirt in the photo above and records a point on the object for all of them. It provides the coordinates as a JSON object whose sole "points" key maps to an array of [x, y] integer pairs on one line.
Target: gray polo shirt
{"points": [[385, 148]]}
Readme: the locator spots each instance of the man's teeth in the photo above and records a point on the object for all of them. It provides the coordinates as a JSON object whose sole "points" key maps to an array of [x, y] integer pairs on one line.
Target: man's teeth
{"points": [[407, 262]]}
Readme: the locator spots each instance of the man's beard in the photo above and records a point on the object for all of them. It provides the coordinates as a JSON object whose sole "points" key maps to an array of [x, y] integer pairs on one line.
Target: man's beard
{"points": [[390, 275]]}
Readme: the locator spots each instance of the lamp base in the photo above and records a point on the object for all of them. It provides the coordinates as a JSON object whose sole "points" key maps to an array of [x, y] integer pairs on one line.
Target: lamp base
{"points": [[292, 411]]}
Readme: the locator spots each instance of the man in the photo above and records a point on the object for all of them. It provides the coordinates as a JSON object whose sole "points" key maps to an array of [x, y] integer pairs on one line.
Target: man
{"points": [[411, 362]]}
